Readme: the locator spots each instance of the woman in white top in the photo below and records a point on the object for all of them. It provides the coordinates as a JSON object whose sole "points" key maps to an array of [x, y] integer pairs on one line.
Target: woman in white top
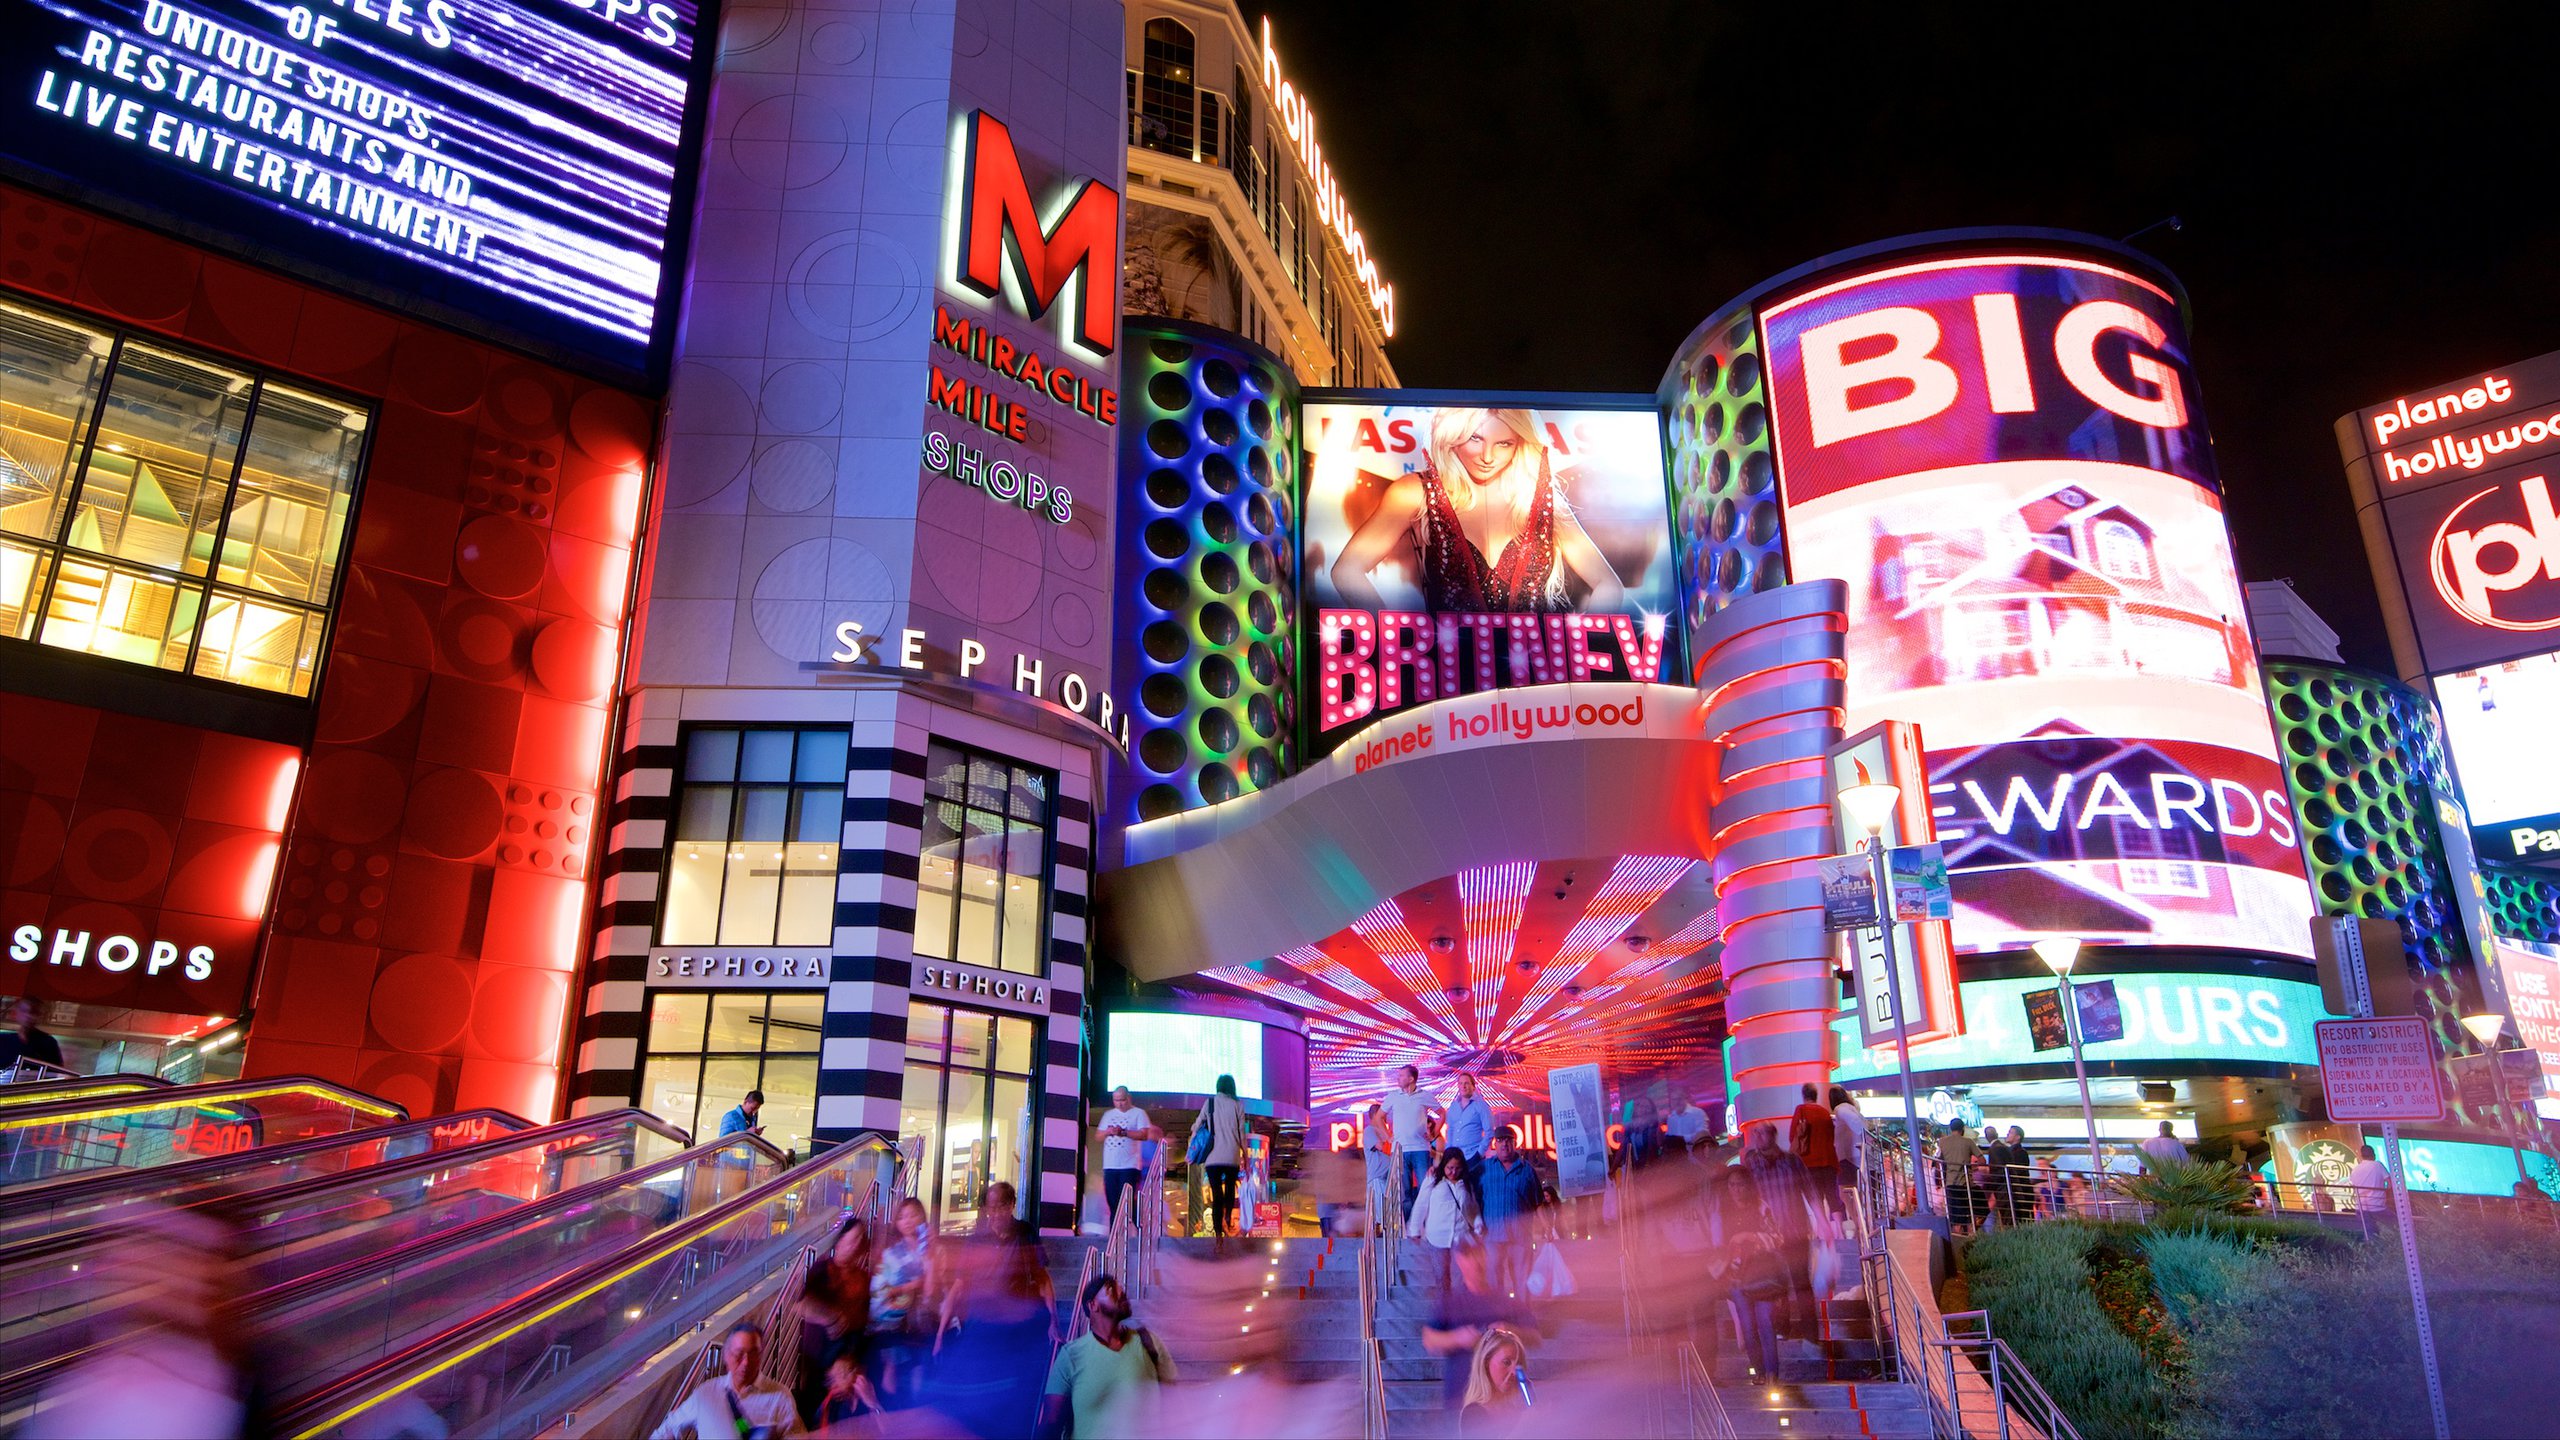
{"points": [[1444, 1213], [1224, 1118]]}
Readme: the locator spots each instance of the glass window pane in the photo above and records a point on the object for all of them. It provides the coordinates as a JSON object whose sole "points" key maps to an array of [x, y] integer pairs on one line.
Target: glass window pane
{"points": [[1025, 899], [925, 1032], [725, 1081], [937, 877], [250, 642], [808, 896], [737, 1023], [821, 757], [1031, 795], [23, 569], [49, 374], [1006, 1133], [764, 814], [152, 489], [675, 1022], [289, 507], [751, 894], [1013, 1045], [818, 816], [691, 912], [793, 1025], [976, 944], [946, 772], [126, 614], [969, 1039], [920, 1115], [671, 1089], [711, 755], [987, 784], [704, 812], [765, 755], [790, 1101], [964, 1147]]}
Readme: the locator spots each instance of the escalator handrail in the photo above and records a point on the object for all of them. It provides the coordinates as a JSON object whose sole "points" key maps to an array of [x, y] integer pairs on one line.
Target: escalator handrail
{"points": [[389, 1172], [22, 1093], [90, 1185], [260, 1303], [360, 1391], [200, 1096]]}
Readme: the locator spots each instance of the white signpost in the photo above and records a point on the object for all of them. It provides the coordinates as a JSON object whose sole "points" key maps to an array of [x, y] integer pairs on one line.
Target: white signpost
{"points": [[2384, 1069]]}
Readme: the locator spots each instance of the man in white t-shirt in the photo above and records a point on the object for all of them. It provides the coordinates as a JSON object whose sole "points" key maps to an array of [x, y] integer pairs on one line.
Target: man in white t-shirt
{"points": [[737, 1401], [1409, 1113], [1122, 1127], [1687, 1122], [2372, 1181], [1848, 1135], [2166, 1148]]}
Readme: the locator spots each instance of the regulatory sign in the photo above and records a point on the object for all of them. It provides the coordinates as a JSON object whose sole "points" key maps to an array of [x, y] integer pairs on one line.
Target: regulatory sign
{"points": [[2379, 1069]]}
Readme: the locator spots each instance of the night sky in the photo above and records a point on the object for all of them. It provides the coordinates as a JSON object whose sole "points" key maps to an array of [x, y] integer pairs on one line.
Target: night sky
{"points": [[1561, 191]]}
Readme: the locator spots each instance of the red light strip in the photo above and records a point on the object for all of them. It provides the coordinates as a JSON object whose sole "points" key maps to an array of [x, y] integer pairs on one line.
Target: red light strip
{"points": [[1386, 933], [1635, 883]]}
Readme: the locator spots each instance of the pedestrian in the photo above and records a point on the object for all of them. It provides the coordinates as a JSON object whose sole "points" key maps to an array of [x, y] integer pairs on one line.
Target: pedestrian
{"points": [[2370, 1179], [741, 1119], [1121, 1129], [1848, 1136], [1470, 1130], [1105, 1382], [993, 1350], [1378, 1164], [1461, 1312], [1509, 1197], [1955, 1174], [848, 1396], [902, 1319], [739, 1399], [2165, 1148], [1686, 1123], [24, 1041], [1812, 1135], [1779, 1180], [2006, 1163], [1223, 1117], [1496, 1401], [1444, 1215], [1751, 1270], [2050, 1200], [835, 1316], [1409, 1114]]}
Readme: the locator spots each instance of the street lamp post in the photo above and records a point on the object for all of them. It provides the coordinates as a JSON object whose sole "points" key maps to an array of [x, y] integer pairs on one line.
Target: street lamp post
{"points": [[2486, 1028], [1870, 807], [2060, 953]]}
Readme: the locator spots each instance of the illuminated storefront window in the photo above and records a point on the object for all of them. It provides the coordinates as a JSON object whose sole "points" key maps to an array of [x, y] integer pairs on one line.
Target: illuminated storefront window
{"points": [[758, 819], [163, 508], [982, 886], [968, 1089], [706, 1051]]}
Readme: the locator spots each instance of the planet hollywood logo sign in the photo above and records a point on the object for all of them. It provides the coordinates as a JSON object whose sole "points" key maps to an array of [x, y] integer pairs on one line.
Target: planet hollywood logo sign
{"points": [[2481, 556]]}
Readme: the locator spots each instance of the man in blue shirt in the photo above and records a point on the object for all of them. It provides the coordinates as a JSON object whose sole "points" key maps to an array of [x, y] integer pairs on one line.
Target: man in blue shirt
{"points": [[1510, 1197], [742, 1120], [1470, 1131]]}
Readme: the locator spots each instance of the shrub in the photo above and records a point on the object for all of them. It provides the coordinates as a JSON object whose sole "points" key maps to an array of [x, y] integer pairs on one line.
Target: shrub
{"points": [[2177, 1189], [2034, 1280], [2195, 1271]]}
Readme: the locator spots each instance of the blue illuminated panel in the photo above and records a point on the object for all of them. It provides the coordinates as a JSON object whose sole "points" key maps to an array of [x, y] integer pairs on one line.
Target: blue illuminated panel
{"points": [[517, 161]]}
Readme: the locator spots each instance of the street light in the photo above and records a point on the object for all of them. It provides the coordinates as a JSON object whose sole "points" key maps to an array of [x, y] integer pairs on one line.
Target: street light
{"points": [[2059, 953], [2486, 1028], [1869, 806]]}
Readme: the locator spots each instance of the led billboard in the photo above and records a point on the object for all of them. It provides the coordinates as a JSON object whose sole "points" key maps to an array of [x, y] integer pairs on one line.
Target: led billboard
{"points": [[2494, 722], [1475, 542], [2002, 457], [1158, 1053], [516, 163]]}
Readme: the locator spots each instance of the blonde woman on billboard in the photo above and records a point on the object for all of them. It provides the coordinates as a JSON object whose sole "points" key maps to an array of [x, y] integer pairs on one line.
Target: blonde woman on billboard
{"points": [[1486, 489]]}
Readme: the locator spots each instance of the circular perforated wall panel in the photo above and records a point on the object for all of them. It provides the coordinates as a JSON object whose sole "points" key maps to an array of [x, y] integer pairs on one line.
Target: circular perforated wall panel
{"points": [[1724, 474]]}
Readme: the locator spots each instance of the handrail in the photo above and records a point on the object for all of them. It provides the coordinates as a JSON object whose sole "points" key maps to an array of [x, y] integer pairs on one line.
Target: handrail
{"points": [[201, 1097], [23, 1071], [46, 1089], [352, 1395], [1373, 1362], [1705, 1412]]}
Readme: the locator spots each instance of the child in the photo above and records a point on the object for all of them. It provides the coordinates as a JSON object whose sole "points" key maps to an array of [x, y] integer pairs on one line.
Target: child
{"points": [[848, 1393]]}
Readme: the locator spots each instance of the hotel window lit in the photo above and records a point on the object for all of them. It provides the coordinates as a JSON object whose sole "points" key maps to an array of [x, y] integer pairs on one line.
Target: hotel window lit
{"points": [[982, 887], [166, 508], [753, 857]]}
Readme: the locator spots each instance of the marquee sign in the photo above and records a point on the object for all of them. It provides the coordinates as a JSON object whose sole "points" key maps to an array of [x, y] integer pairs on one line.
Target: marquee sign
{"points": [[517, 161]]}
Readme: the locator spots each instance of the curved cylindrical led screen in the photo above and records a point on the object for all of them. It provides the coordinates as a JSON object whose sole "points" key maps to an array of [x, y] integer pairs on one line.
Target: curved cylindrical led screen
{"points": [[2002, 454]]}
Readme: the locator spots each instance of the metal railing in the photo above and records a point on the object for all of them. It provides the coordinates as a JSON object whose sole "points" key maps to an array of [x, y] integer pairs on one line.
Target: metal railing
{"points": [[1376, 1249], [1701, 1407]]}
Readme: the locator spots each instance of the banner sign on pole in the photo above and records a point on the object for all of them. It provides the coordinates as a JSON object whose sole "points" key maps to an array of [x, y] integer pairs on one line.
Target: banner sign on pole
{"points": [[2101, 1013], [1920, 890], [1848, 893], [1923, 944], [1582, 1144], [2382, 1069]]}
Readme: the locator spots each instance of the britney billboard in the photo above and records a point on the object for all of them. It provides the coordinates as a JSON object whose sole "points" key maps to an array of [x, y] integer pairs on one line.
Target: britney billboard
{"points": [[2003, 457], [1478, 543]]}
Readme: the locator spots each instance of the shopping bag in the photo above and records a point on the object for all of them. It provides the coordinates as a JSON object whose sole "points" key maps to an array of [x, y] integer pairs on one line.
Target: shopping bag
{"points": [[1549, 1279]]}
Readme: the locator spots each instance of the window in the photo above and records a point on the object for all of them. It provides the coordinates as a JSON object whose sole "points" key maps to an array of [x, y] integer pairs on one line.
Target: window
{"points": [[982, 886], [1165, 91], [753, 857], [706, 1051], [164, 508], [2122, 552], [968, 1097], [1211, 124], [2161, 861]]}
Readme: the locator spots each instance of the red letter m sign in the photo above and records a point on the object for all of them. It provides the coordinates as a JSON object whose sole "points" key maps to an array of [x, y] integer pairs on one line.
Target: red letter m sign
{"points": [[1076, 255]]}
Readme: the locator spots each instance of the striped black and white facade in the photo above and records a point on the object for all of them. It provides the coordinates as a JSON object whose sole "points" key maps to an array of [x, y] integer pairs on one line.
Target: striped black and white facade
{"points": [[872, 970]]}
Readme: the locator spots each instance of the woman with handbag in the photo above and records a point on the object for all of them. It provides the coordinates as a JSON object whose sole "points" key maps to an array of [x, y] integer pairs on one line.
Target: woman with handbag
{"points": [[1217, 1146], [1755, 1271], [1444, 1214]]}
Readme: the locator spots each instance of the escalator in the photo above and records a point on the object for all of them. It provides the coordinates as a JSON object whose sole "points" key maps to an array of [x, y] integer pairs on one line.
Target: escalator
{"points": [[75, 1087], [317, 1328], [92, 1198], [67, 1277], [603, 1347], [86, 1134]]}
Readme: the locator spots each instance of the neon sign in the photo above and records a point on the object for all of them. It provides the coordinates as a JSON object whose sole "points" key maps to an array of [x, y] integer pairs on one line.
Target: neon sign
{"points": [[1066, 259], [2533, 552], [1299, 123]]}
